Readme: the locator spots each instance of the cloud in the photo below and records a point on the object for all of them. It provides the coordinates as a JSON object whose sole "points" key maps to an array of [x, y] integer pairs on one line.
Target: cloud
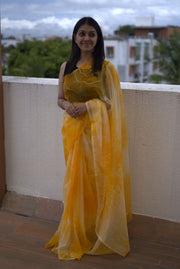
{"points": [[42, 17], [45, 26], [117, 11], [17, 24], [21, 24]]}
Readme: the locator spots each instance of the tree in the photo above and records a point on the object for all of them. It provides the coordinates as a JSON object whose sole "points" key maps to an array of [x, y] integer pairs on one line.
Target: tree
{"points": [[37, 58], [125, 30], [169, 60]]}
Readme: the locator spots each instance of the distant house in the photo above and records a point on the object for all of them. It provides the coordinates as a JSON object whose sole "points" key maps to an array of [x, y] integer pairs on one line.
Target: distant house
{"points": [[9, 42], [133, 57], [159, 32], [146, 25], [50, 37]]}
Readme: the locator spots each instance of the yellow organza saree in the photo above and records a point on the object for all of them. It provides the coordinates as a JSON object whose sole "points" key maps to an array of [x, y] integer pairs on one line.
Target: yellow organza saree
{"points": [[97, 198]]}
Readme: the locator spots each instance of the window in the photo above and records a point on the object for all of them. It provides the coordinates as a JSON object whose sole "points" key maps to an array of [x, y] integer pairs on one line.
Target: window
{"points": [[132, 69], [146, 51], [132, 51], [109, 52], [138, 50]]}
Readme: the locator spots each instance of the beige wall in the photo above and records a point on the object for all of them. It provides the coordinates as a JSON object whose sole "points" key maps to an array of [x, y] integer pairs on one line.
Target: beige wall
{"points": [[34, 150]]}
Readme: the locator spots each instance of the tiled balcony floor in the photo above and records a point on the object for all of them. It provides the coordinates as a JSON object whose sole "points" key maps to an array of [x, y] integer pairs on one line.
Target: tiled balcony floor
{"points": [[22, 241]]}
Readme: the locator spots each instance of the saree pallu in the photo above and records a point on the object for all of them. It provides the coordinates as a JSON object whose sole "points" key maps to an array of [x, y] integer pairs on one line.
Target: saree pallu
{"points": [[96, 190]]}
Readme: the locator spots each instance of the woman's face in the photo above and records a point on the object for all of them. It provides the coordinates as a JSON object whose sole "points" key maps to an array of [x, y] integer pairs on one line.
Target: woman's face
{"points": [[86, 38]]}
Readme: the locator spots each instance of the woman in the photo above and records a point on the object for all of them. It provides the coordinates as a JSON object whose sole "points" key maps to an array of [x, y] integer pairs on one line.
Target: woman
{"points": [[97, 200]]}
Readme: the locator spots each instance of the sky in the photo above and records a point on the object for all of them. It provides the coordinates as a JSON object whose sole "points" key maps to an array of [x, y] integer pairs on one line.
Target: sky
{"points": [[57, 17]]}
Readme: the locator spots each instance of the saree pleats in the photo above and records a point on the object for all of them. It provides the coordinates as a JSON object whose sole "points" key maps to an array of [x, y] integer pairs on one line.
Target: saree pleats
{"points": [[96, 190]]}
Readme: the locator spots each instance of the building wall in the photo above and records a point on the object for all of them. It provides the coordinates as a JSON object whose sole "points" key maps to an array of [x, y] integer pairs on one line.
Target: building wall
{"points": [[159, 32], [129, 67], [145, 21], [34, 151], [171, 29], [119, 58]]}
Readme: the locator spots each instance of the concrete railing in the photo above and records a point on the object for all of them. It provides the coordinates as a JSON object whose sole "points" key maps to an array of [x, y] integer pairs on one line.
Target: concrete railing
{"points": [[34, 151]]}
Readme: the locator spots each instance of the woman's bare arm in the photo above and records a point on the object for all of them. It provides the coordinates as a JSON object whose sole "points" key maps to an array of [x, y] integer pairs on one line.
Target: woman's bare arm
{"points": [[62, 102], [61, 99]]}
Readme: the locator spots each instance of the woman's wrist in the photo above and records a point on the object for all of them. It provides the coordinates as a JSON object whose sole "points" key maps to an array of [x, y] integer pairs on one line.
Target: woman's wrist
{"points": [[63, 103]]}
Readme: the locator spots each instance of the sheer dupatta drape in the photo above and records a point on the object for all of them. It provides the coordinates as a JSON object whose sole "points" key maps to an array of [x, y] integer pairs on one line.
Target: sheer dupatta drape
{"points": [[97, 198]]}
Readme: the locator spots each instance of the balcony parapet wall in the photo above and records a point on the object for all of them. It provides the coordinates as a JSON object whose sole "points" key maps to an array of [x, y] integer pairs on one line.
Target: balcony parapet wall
{"points": [[34, 151]]}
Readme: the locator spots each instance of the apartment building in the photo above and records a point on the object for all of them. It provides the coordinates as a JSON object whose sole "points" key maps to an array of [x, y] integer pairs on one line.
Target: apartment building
{"points": [[133, 57]]}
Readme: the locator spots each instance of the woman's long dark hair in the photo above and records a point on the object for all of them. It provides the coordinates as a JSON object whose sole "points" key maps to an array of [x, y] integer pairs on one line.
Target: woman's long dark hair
{"points": [[98, 53]]}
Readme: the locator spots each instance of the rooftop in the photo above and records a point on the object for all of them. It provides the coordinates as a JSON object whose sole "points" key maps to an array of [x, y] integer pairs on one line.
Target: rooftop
{"points": [[22, 240]]}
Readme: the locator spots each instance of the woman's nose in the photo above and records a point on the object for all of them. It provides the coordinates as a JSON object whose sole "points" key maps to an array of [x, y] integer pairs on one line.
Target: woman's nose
{"points": [[86, 37]]}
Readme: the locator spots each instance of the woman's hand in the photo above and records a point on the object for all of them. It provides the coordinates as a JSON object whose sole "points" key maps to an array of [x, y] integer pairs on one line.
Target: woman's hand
{"points": [[80, 109], [75, 110], [70, 109]]}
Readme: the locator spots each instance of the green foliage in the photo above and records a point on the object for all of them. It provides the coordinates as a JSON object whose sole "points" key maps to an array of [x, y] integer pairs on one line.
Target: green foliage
{"points": [[126, 29], [4, 71], [156, 78], [37, 58], [169, 59], [6, 49]]}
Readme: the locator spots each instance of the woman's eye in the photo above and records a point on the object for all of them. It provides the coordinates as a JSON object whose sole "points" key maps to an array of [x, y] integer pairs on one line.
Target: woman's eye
{"points": [[91, 34], [81, 34]]}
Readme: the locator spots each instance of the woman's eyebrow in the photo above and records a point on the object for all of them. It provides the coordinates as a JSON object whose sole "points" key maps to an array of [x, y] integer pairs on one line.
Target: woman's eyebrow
{"points": [[91, 31]]}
